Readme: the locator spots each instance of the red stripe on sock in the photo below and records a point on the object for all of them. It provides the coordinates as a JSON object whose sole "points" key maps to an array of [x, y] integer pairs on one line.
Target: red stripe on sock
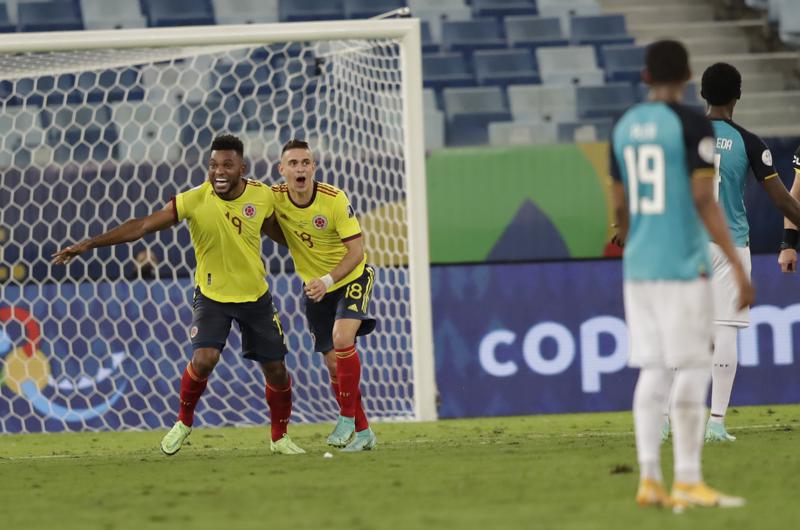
{"points": [[280, 409], [192, 387]]}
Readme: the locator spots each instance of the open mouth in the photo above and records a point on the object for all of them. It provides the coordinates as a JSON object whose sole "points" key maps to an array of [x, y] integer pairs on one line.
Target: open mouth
{"points": [[301, 180]]}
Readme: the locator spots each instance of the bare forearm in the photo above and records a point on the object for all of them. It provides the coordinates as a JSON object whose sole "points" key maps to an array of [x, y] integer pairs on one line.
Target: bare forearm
{"points": [[128, 231], [349, 262]]}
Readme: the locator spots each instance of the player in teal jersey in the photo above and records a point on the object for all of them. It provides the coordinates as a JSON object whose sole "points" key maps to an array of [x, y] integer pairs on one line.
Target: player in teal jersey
{"points": [[661, 160], [739, 153], [787, 259]]}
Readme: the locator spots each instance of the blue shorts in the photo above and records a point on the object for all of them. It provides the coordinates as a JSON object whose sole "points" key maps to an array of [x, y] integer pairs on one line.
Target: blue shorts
{"points": [[262, 334], [348, 301]]}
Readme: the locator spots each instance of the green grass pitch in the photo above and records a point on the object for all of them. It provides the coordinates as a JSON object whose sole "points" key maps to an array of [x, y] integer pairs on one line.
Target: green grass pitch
{"points": [[549, 472]]}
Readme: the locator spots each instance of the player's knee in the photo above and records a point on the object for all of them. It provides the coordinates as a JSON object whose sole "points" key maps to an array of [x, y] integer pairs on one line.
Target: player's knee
{"points": [[204, 361], [276, 374], [343, 339]]}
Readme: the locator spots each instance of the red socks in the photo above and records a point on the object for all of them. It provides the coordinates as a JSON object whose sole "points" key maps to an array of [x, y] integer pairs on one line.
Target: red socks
{"points": [[280, 409], [192, 387], [361, 417], [348, 372]]}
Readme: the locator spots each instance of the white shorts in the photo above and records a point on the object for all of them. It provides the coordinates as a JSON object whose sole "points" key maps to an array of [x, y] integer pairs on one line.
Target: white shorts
{"points": [[726, 292], [669, 323]]}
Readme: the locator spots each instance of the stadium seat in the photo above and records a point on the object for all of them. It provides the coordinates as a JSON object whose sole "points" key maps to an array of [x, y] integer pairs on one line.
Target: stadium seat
{"points": [[623, 62], [473, 34], [548, 103], [245, 11], [569, 65], [429, 45], [146, 132], [446, 69], [564, 9], [80, 133], [49, 16], [504, 67], [506, 133], [436, 14], [370, 8], [502, 8], [599, 29], [533, 32], [434, 121], [109, 86], [470, 110], [298, 10], [598, 130], [604, 101], [691, 95], [6, 26], [102, 14], [789, 22], [21, 133], [45, 90], [178, 12]]}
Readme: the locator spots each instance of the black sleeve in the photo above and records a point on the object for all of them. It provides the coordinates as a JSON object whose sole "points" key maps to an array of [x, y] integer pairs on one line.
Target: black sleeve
{"points": [[759, 156], [698, 137], [796, 160], [613, 166]]}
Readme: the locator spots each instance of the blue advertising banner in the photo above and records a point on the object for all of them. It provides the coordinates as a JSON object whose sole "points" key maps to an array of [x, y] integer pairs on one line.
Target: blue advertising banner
{"points": [[551, 338]]}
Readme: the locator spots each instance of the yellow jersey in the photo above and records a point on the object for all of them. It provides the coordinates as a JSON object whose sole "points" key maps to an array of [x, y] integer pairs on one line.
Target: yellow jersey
{"points": [[227, 240], [316, 232]]}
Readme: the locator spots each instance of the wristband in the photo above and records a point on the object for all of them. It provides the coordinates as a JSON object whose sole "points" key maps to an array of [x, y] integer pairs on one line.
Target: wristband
{"points": [[790, 237], [328, 281]]}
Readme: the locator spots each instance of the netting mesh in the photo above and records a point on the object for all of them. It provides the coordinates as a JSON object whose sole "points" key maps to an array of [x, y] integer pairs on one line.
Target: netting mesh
{"points": [[90, 139]]}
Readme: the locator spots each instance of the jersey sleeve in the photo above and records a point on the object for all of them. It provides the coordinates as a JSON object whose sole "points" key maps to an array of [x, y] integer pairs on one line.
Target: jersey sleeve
{"points": [[760, 157], [344, 217], [186, 202], [699, 139], [796, 160]]}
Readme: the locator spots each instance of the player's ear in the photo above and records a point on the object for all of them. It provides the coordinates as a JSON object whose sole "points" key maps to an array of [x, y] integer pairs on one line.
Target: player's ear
{"points": [[645, 76]]}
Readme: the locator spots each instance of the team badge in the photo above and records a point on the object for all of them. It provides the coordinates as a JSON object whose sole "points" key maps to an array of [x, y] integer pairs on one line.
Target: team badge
{"points": [[248, 210], [766, 157], [193, 332], [320, 222]]}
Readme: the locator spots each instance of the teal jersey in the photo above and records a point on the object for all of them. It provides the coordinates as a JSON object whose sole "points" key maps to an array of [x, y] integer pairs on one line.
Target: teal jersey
{"points": [[656, 149], [739, 153]]}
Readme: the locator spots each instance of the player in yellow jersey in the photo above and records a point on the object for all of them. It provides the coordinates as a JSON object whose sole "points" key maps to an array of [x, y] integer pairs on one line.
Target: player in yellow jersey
{"points": [[324, 238], [226, 215]]}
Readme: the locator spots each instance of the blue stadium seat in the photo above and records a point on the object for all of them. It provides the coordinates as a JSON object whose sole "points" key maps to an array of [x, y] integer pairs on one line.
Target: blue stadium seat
{"points": [[45, 90], [429, 45], [446, 69], [604, 101], [178, 12], [245, 11], [103, 14], [434, 121], [106, 86], [547, 103], [370, 8], [506, 133], [533, 32], [49, 16], [6, 26], [505, 67], [575, 65], [599, 29], [691, 95], [470, 110], [299, 10], [597, 130], [502, 8], [623, 62], [435, 14], [480, 33], [80, 133]]}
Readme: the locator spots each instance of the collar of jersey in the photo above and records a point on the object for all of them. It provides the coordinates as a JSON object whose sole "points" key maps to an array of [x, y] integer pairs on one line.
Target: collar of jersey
{"points": [[310, 201]]}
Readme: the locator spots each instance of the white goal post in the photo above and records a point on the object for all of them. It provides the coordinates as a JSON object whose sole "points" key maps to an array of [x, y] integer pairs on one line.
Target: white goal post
{"points": [[100, 126]]}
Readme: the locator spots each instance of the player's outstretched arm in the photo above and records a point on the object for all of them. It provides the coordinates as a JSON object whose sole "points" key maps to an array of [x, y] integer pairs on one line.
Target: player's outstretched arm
{"points": [[620, 213], [316, 288], [272, 230], [711, 215], [787, 258], [130, 230]]}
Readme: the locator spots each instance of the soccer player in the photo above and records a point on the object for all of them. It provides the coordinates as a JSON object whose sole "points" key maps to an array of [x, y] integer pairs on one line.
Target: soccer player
{"points": [[738, 154], [226, 215], [662, 165], [787, 259], [325, 240]]}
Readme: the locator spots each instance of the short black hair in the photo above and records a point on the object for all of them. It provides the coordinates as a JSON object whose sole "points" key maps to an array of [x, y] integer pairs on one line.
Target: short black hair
{"points": [[667, 61], [722, 83], [294, 143], [228, 142]]}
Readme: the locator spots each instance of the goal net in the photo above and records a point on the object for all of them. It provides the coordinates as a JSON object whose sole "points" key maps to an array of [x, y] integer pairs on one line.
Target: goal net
{"points": [[99, 127]]}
